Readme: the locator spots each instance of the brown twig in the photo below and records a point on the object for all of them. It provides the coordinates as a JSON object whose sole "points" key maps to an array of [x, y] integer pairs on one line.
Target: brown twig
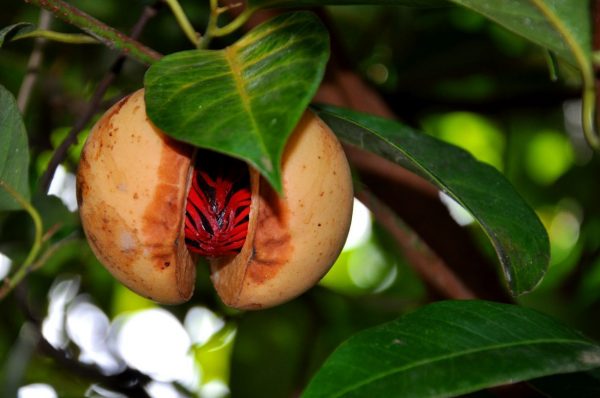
{"points": [[33, 65], [425, 262], [96, 100]]}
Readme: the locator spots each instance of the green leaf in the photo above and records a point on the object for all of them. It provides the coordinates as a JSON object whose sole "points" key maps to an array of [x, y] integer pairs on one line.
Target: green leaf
{"points": [[14, 153], [562, 26], [451, 348], [515, 231], [245, 100], [7, 33], [318, 3]]}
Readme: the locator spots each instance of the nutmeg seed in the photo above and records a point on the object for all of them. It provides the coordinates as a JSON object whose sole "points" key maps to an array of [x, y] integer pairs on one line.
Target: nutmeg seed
{"points": [[133, 181]]}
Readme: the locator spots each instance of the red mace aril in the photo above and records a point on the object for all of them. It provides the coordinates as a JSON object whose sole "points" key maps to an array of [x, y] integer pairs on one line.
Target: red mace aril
{"points": [[149, 211], [218, 206]]}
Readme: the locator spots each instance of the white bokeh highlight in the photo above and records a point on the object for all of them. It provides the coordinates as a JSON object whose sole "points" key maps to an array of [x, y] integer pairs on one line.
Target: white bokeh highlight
{"points": [[158, 389], [152, 341], [63, 186], [457, 212], [214, 389], [156, 343], [88, 327], [60, 295], [361, 226], [201, 324], [37, 390], [5, 265]]}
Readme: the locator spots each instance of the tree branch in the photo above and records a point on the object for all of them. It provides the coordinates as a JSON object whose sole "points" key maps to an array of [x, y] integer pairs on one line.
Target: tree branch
{"points": [[61, 152], [424, 261], [33, 65], [104, 33]]}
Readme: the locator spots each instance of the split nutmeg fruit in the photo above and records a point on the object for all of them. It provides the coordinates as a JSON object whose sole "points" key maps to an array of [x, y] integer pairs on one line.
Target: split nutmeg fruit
{"points": [[150, 206]]}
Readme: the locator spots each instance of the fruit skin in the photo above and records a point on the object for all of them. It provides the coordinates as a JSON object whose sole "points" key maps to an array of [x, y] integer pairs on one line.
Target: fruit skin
{"points": [[294, 240], [132, 186]]}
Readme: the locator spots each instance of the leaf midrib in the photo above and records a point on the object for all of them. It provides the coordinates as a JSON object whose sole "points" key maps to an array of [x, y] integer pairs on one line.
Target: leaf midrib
{"points": [[576, 49], [451, 356], [230, 55], [555, 22]]}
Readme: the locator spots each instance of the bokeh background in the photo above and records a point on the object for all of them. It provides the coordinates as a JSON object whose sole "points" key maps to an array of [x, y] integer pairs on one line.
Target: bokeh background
{"points": [[71, 330]]}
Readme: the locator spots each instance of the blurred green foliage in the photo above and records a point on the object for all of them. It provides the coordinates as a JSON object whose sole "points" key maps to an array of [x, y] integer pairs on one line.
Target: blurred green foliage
{"points": [[447, 70]]}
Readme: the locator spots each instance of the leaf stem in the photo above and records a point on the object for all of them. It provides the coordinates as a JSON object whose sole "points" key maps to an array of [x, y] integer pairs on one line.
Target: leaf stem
{"points": [[213, 29], [235, 24], [104, 33], [68, 38], [10, 283], [588, 112], [211, 24], [184, 22], [588, 116]]}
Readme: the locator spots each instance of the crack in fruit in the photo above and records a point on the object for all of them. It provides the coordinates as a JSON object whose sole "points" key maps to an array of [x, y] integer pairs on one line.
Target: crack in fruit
{"points": [[218, 205]]}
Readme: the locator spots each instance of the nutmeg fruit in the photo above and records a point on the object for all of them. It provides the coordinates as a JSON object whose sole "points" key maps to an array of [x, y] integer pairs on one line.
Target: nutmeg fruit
{"points": [[147, 203]]}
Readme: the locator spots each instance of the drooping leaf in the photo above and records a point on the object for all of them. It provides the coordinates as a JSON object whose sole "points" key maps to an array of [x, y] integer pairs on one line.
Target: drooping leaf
{"points": [[14, 153], [515, 231], [451, 348], [8, 32], [246, 99], [562, 26]]}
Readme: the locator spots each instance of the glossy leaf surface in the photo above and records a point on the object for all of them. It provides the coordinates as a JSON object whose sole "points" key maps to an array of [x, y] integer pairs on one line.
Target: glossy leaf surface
{"points": [[450, 348], [245, 100], [14, 153], [7, 33], [515, 231], [562, 26]]}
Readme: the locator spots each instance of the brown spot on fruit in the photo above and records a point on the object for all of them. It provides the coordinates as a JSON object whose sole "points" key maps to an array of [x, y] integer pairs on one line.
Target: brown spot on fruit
{"points": [[272, 241], [124, 229]]}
